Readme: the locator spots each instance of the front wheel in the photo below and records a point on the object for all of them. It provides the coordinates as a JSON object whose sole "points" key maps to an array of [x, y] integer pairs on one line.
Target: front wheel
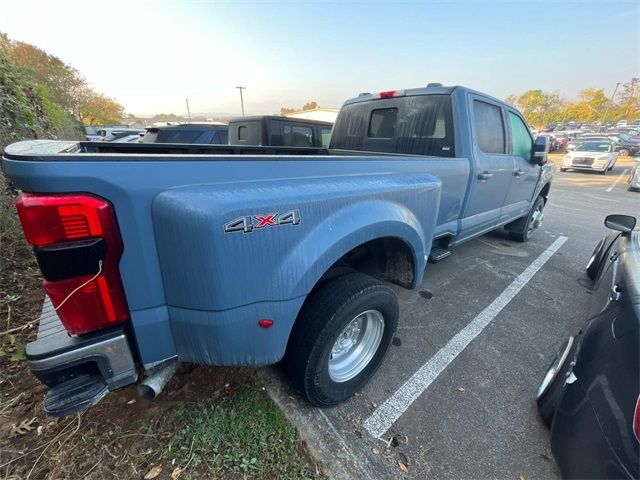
{"points": [[341, 337], [522, 229], [623, 152]]}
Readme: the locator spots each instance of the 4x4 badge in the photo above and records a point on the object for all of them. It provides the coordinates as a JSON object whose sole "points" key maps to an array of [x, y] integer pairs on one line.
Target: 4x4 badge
{"points": [[249, 223]]}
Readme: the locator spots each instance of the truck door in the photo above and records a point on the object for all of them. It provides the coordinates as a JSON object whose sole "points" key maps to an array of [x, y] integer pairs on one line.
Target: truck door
{"points": [[525, 173], [492, 168]]}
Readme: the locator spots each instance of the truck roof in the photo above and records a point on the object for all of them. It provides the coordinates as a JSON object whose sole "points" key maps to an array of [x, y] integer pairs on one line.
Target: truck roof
{"points": [[431, 89], [254, 118]]}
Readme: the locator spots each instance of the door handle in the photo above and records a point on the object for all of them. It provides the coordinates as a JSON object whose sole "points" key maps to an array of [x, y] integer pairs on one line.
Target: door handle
{"points": [[519, 172], [485, 175]]}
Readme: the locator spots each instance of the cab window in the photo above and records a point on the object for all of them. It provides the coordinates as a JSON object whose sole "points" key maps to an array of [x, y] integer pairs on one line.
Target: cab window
{"points": [[325, 136], [489, 127], [297, 136], [521, 142]]}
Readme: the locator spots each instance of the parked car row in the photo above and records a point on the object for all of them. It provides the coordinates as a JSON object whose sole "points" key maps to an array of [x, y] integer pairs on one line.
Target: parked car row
{"points": [[572, 125], [264, 130]]}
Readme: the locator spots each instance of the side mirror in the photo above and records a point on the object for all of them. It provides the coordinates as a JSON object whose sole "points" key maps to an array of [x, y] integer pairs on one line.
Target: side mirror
{"points": [[621, 223], [540, 150]]}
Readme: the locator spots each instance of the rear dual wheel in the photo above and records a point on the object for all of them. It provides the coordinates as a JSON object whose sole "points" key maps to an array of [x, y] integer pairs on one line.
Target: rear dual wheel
{"points": [[341, 337]]}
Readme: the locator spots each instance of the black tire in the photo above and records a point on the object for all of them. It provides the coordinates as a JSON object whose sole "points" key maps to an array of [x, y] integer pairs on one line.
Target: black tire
{"points": [[522, 229], [593, 266], [623, 152], [563, 169], [323, 317]]}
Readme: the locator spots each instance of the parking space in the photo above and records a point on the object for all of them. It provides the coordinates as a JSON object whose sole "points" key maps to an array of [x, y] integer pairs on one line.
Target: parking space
{"points": [[455, 395]]}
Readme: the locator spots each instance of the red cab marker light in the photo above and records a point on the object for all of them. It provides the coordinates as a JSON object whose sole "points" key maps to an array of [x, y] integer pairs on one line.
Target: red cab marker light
{"points": [[265, 323], [391, 94]]}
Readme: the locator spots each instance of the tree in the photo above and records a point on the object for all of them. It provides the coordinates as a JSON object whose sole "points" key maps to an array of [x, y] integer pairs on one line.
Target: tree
{"points": [[537, 106], [628, 105], [97, 109], [61, 80], [590, 106], [309, 106]]}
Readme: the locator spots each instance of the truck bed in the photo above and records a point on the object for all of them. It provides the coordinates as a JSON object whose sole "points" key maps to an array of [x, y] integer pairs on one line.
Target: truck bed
{"points": [[171, 208], [45, 150]]}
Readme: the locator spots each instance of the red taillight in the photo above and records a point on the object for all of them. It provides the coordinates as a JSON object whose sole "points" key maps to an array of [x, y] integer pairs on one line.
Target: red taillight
{"points": [[88, 302], [636, 420], [63, 218], [392, 94]]}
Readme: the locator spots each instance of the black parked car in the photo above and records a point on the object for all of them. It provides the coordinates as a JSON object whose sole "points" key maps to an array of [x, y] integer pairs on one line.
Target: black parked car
{"points": [[625, 144], [194, 133], [590, 394]]}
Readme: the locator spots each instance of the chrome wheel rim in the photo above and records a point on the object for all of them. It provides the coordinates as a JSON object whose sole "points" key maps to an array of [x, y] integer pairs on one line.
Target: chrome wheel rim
{"points": [[536, 219], [355, 346], [555, 368]]}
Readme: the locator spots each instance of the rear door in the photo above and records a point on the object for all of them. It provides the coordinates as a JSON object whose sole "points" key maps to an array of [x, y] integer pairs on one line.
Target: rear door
{"points": [[525, 173], [493, 166]]}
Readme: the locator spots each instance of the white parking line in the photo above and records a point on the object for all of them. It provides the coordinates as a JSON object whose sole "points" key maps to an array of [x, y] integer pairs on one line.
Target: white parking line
{"points": [[611, 187], [386, 414]]}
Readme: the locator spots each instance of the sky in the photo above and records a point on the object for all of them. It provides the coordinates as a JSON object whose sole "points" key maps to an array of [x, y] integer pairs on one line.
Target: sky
{"points": [[151, 55]]}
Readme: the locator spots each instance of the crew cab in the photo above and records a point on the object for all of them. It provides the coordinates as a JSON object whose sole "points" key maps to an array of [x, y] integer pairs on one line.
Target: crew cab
{"points": [[279, 131], [154, 254]]}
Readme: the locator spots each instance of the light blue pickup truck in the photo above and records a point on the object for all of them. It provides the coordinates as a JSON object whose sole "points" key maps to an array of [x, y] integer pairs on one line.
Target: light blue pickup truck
{"points": [[154, 254]]}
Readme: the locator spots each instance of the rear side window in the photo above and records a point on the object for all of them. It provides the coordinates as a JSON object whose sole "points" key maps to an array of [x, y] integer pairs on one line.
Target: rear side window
{"points": [[297, 136], [325, 134], [221, 137], [420, 125], [383, 123], [177, 136], [242, 133], [489, 127], [522, 145]]}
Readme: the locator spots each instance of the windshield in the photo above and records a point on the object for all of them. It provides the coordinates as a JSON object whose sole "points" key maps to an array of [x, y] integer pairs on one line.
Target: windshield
{"points": [[594, 147]]}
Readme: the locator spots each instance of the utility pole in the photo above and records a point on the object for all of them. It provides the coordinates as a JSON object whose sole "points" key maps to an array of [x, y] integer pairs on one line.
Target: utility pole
{"points": [[241, 100], [604, 115], [188, 111]]}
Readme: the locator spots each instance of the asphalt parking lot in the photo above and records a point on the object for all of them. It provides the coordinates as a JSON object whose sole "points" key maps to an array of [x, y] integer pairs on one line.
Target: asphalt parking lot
{"points": [[455, 397]]}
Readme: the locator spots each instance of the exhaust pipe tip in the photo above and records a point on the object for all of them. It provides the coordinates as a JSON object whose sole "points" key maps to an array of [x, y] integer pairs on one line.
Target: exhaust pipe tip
{"points": [[151, 386], [146, 392]]}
